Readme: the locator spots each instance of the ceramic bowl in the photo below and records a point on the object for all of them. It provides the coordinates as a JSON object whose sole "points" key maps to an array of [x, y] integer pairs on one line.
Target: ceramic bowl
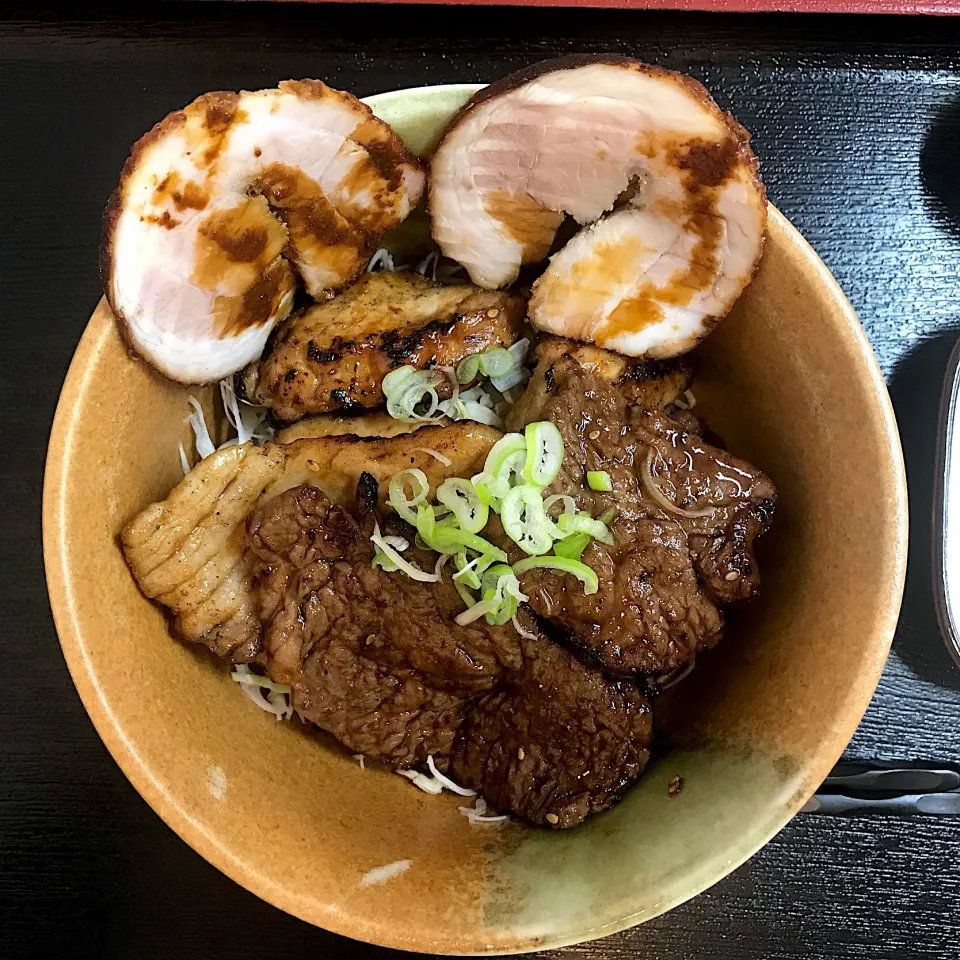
{"points": [[788, 380]]}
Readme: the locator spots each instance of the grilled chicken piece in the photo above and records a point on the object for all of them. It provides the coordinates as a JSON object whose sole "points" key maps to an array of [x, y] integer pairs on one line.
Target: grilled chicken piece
{"points": [[375, 424], [334, 356], [650, 384], [188, 551], [585, 136], [224, 203]]}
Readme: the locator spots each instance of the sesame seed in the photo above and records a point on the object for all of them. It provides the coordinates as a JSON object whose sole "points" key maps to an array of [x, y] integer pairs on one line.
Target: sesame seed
{"points": [[731, 576], [371, 638], [594, 434], [520, 754], [552, 818], [493, 312]]}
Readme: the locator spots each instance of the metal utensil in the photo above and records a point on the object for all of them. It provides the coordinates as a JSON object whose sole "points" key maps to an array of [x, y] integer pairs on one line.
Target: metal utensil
{"points": [[885, 788], [937, 804], [903, 780], [946, 510]]}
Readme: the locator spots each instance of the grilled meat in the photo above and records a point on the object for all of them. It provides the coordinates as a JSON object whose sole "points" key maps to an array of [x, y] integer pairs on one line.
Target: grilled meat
{"points": [[666, 182], [558, 744], [187, 552], [333, 356], [376, 423], [225, 203], [651, 384], [378, 660], [668, 570]]}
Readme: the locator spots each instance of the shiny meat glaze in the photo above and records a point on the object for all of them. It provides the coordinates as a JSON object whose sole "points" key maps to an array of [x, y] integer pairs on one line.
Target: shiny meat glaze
{"points": [[666, 182], [225, 203], [334, 356], [651, 384], [559, 744], [374, 658], [662, 580], [377, 660], [187, 552]]}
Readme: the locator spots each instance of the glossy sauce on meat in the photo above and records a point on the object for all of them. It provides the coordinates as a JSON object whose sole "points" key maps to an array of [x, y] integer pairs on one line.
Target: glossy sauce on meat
{"points": [[377, 659], [665, 576]]}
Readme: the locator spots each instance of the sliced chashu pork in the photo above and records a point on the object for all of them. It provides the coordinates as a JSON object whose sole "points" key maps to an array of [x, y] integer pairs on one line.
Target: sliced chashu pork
{"points": [[667, 180], [224, 204]]}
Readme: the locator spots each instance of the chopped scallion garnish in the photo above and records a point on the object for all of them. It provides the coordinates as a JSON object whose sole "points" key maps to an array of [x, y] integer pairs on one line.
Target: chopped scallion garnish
{"points": [[599, 480]]}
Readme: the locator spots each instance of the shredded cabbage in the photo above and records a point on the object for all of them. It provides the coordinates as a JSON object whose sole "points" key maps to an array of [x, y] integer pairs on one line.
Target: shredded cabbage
{"points": [[412, 571], [275, 702], [248, 420], [447, 782], [201, 434]]}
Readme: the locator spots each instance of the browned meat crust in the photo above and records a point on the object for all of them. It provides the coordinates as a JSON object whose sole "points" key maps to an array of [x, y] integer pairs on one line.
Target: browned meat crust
{"points": [[285, 208], [664, 576], [559, 744], [333, 356], [187, 551], [651, 384], [374, 658], [378, 660]]}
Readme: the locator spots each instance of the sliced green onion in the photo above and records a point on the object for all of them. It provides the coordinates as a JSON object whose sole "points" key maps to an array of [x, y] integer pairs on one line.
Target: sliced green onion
{"points": [[526, 522], [255, 680], [581, 571], [465, 595], [468, 368], [544, 453], [392, 381], [465, 504], [403, 505], [449, 539], [607, 515], [569, 504], [471, 571], [477, 611], [519, 374], [505, 463], [467, 572], [599, 480], [501, 583], [490, 489], [572, 547], [408, 568], [584, 523], [405, 389], [496, 362], [380, 559]]}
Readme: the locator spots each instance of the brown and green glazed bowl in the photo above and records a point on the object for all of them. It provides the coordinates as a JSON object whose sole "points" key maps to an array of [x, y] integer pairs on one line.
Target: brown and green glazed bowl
{"points": [[789, 381]]}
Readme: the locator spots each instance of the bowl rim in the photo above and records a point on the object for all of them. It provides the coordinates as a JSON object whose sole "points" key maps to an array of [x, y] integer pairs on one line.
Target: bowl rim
{"points": [[84, 675]]}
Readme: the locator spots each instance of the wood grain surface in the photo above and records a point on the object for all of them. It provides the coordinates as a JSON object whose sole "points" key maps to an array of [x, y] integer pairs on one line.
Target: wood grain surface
{"points": [[857, 122]]}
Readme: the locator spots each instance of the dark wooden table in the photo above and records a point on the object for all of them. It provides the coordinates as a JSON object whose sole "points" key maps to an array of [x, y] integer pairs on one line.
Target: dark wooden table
{"points": [[858, 125]]}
